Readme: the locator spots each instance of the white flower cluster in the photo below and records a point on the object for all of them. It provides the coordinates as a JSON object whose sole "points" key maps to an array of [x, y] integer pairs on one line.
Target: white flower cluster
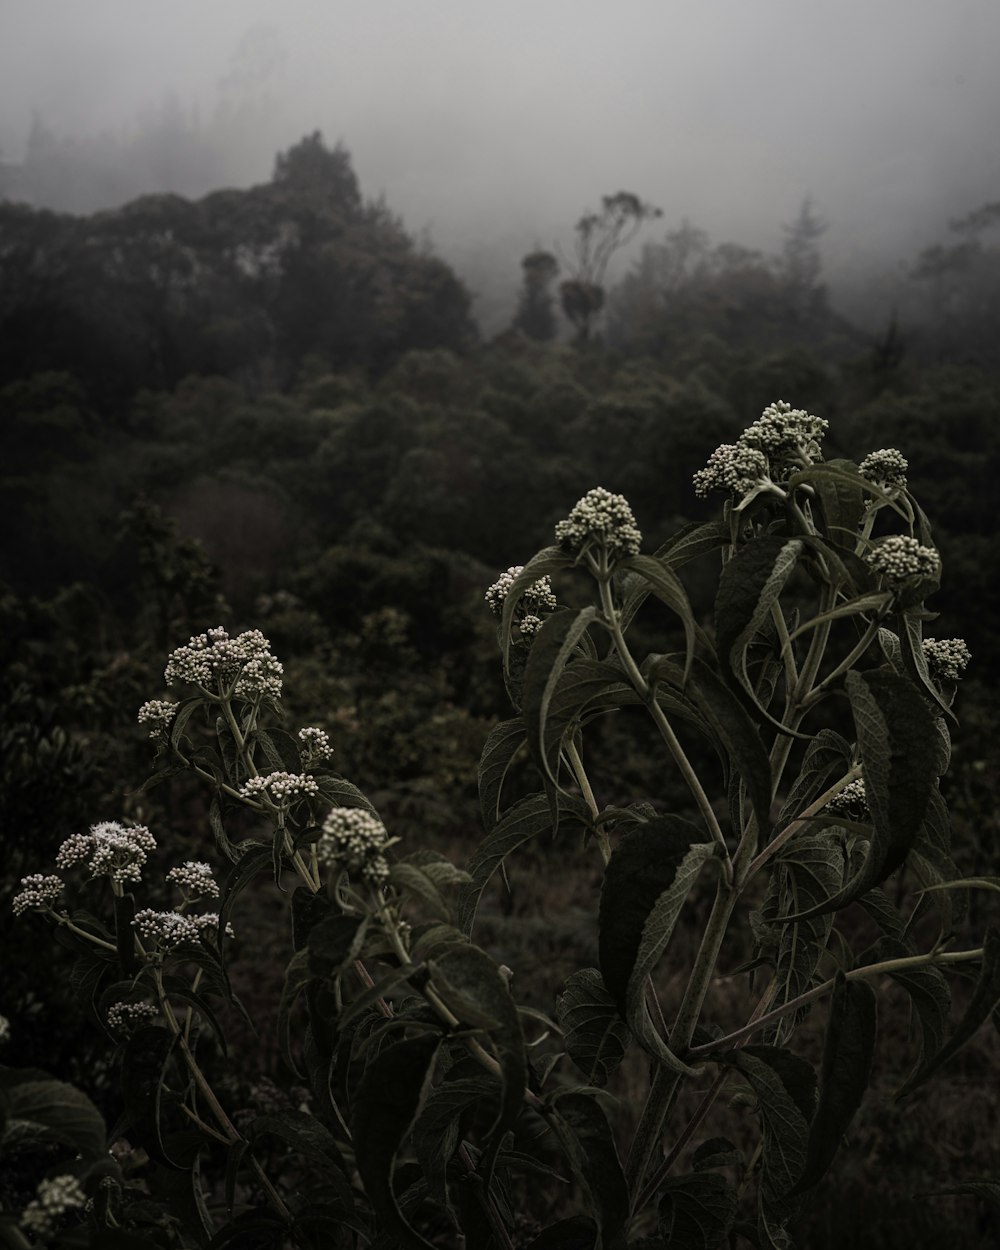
{"points": [[195, 879], [207, 925], [538, 597], [947, 658], [158, 714], [4, 1030], [36, 891], [123, 1016], [735, 467], [281, 787], [851, 802], [243, 665], [782, 439], [899, 558], [600, 519], [117, 851], [315, 744], [357, 840], [55, 1198], [885, 469], [165, 929], [784, 433]]}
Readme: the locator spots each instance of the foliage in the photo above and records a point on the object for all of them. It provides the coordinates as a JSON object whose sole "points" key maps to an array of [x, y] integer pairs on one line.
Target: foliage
{"points": [[807, 725]]}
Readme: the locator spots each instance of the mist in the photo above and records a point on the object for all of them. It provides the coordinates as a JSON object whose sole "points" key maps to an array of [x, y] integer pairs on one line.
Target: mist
{"points": [[490, 129]]}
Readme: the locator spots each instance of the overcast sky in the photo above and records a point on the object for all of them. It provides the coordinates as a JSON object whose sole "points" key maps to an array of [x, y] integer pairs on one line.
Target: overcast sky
{"points": [[495, 123]]}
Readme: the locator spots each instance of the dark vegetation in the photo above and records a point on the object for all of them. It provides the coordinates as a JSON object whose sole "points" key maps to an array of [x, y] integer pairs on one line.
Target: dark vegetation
{"points": [[269, 408]]}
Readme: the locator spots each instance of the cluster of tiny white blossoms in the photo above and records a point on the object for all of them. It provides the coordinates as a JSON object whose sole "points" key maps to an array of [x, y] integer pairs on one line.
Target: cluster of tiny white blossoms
{"points": [[164, 929], [280, 787], [116, 851], [899, 557], [600, 519], [947, 658], [195, 879], [4, 1030], [851, 802], [735, 467], [207, 925], [781, 440], [243, 665], [123, 1016], [54, 1199], [885, 469], [537, 597], [357, 840], [158, 714], [37, 891], [315, 745]]}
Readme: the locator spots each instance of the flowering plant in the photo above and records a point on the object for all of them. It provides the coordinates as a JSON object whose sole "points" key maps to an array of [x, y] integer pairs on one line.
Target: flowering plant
{"points": [[432, 1101]]}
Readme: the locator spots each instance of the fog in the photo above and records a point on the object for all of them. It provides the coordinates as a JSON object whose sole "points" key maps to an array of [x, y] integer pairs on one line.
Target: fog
{"points": [[490, 128]]}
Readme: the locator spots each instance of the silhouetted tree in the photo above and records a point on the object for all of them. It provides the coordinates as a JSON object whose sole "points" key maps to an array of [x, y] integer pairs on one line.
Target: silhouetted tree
{"points": [[535, 306], [598, 237], [801, 265]]}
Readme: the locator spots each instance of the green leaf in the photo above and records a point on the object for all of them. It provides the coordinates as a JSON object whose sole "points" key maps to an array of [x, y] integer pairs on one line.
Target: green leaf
{"points": [[667, 587], [551, 650], [901, 759], [178, 988], [341, 793], [699, 538], [750, 585], [912, 649], [308, 909], [425, 882], [646, 882], [809, 871], [502, 745], [827, 757], [844, 1075], [525, 820], [389, 1099], [436, 1131], [250, 864], [222, 840], [59, 1110], [297, 976], [594, 1034], [280, 749], [983, 1001], [841, 490], [697, 1211], [583, 1130], [475, 978], [716, 1152], [732, 732], [928, 991], [965, 883], [785, 1086]]}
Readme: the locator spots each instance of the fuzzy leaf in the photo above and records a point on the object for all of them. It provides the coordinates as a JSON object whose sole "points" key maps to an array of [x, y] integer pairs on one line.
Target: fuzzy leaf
{"points": [[785, 1086], [697, 1211], [502, 745], [389, 1099], [645, 885], [553, 646], [667, 587], [595, 1037], [525, 820], [585, 1134], [59, 1110], [983, 1001], [749, 584], [844, 1075], [436, 1131]]}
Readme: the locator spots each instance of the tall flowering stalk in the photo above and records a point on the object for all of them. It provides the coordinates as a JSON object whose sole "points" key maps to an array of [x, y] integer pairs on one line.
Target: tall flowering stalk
{"points": [[423, 1089]]}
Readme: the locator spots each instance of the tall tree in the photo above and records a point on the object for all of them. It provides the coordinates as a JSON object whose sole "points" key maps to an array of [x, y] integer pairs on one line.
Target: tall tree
{"points": [[598, 237], [535, 306], [801, 265]]}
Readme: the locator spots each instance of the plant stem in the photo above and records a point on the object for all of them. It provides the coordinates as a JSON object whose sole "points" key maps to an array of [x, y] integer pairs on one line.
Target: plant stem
{"points": [[665, 1085], [73, 928], [641, 687], [889, 966]]}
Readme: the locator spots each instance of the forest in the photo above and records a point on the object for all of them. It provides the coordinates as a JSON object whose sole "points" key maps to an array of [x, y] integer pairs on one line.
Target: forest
{"points": [[272, 409]]}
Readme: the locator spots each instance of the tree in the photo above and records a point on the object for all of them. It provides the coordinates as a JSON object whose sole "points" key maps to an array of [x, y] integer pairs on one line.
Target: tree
{"points": [[535, 310], [598, 237], [800, 265]]}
